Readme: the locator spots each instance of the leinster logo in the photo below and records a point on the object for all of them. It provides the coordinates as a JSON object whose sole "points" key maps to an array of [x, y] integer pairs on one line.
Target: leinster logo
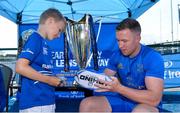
{"points": [[45, 51], [140, 68], [120, 66]]}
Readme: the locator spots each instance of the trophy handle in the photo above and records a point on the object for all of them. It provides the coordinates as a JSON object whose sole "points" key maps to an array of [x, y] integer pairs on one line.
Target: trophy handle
{"points": [[66, 58], [93, 44]]}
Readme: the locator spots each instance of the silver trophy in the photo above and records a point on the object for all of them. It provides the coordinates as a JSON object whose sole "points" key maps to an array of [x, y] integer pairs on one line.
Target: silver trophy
{"points": [[81, 37]]}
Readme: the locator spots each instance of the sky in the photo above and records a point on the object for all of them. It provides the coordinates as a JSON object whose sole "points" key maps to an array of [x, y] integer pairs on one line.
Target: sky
{"points": [[156, 25], [8, 31]]}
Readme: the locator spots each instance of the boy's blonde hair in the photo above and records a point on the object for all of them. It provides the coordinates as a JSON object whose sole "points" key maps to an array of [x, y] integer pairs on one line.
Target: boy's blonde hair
{"points": [[51, 12]]}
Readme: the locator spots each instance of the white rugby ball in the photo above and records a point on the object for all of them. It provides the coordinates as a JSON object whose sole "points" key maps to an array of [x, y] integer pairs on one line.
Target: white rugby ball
{"points": [[87, 79]]}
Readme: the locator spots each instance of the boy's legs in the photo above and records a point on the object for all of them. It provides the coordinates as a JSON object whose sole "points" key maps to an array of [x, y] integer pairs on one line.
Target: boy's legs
{"points": [[42, 109]]}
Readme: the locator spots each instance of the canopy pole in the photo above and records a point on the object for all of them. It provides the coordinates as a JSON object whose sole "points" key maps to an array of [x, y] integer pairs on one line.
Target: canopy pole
{"points": [[19, 18]]}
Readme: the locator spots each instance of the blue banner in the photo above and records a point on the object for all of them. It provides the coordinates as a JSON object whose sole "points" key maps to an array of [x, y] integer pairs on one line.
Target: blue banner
{"points": [[106, 45], [172, 70]]}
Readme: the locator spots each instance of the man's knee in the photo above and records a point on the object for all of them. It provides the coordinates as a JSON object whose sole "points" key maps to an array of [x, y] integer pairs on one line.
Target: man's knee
{"points": [[94, 104], [86, 104], [145, 108]]}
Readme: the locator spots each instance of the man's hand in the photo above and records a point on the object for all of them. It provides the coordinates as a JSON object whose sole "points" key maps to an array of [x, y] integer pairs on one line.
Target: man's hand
{"points": [[108, 85]]}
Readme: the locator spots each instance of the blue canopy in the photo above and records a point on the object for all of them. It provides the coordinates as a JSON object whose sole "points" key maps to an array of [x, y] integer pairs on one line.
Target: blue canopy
{"points": [[110, 11]]}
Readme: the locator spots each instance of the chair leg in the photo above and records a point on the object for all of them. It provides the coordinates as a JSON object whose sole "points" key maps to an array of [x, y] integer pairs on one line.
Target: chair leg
{"points": [[7, 103]]}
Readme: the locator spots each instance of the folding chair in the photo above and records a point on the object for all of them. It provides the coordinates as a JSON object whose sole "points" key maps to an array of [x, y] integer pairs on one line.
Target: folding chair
{"points": [[7, 73]]}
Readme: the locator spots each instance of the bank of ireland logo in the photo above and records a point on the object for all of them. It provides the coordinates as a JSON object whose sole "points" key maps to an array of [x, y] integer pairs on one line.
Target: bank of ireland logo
{"points": [[168, 64]]}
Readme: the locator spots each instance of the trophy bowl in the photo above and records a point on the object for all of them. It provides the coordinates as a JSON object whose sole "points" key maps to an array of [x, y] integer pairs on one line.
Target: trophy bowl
{"points": [[81, 40]]}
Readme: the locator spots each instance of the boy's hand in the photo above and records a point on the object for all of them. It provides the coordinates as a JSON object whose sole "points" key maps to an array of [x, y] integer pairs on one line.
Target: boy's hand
{"points": [[56, 81]]}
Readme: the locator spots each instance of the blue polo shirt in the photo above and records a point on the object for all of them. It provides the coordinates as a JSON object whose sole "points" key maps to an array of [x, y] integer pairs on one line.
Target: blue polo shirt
{"points": [[35, 93], [132, 71]]}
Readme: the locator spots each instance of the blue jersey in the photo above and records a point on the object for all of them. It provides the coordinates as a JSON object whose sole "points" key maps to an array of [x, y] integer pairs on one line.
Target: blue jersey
{"points": [[132, 71], [35, 93]]}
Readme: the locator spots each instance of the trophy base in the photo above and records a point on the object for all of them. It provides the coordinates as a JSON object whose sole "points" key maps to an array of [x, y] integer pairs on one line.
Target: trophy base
{"points": [[75, 84], [68, 78], [72, 85]]}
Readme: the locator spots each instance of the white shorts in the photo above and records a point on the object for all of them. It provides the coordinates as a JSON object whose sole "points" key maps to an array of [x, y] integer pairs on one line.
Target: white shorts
{"points": [[44, 109]]}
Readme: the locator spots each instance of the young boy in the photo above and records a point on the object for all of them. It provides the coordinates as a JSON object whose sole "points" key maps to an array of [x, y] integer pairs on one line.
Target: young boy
{"points": [[35, 65]]}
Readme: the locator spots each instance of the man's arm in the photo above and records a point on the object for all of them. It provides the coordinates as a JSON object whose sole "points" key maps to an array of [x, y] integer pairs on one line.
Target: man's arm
{"points": [[151, 96]]}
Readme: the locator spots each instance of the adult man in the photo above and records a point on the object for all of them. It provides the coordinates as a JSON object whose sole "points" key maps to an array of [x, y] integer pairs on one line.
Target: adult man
{"points": [[140, 70]]}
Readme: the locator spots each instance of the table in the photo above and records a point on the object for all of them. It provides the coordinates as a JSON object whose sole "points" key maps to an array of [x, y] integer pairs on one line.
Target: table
{"points": [[87, 92]]}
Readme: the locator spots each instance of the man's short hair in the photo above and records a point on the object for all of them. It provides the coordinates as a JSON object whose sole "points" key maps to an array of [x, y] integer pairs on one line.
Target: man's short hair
{"points": [[129, 23], [51, 12]]}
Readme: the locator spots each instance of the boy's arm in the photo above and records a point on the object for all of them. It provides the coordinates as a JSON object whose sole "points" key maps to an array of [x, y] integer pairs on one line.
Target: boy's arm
{"points": [[23, 68]]}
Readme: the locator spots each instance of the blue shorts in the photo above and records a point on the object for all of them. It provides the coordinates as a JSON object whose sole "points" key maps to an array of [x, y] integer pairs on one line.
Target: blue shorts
{"points": [[117, 102], [121, 104]]}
